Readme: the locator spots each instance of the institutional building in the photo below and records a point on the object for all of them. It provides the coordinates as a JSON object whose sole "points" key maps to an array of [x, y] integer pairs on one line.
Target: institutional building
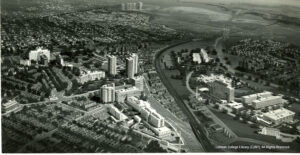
{"points": [[86, 76], [112, 64], [279, 116], [36, 54], [108, 93], [267, 101], [249, 98]]}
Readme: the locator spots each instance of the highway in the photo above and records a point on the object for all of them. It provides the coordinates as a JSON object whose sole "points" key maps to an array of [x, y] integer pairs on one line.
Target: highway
{"points": [[196, 125]]}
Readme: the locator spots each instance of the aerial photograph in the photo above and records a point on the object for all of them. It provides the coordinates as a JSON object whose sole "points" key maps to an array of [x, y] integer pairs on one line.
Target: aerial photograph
{"points": [[150, 76]]}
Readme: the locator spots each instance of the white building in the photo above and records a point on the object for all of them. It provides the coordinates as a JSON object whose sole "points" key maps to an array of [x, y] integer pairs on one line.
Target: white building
{"points": [[130, 67], [121, 94], [156, 120], [116, 113], [270, 132], [10, 106], [136, 62], [139, 5], [86, 76], [266, 101], [204, 55], [249, 98], [137, 118], [279, 116], [108, 93], [112, 64], [36, 54], [139, 82], [25, 62], [196, 58]]}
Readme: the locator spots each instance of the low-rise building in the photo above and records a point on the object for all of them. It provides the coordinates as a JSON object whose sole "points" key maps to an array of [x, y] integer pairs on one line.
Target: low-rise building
{"points": [[86, 76], [9, 106], [116, 113], [279, 116], [266, 101], [249, 98], [121, 94]]}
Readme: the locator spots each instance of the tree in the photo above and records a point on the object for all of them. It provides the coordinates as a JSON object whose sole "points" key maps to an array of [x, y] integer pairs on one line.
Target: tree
{"points": [[154, 147]]}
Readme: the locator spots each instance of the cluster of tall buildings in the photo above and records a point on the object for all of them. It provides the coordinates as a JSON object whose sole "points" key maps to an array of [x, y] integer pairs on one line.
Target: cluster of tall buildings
{"points": [[262, 100], [132, 65], [132, 6], [109, 94]]}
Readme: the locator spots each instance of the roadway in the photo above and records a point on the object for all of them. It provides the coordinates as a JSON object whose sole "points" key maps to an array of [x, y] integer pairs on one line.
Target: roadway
{"points": [[196, 125]]}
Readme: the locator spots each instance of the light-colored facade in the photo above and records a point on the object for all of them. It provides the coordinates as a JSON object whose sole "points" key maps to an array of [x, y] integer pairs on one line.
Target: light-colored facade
{"points": [[121, 94], [112, 64], [279, 116], [108, 93], [135, 63], [130, 67], [116, 113], [156, 120], [139, 5], [139, 82], [204, 55], [222, 90], [25, 62], [197, 58], [90, 76], [249, 98], [9, 106], [36, 54], [267, 101]]}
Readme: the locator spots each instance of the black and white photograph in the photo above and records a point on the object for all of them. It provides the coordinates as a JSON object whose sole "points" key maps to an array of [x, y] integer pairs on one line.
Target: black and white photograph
{"points": [[150, 76]]}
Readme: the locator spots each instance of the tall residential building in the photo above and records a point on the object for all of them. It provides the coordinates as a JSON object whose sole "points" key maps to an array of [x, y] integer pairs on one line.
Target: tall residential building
{"points": [[36, 54], [139, 82], [112, 64], [108, 93], [139, 5], [136, 62], [130, 67]]}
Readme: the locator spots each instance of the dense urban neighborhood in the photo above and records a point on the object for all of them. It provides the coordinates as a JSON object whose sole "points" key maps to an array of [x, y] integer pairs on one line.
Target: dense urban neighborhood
{"points": [[113, 77]]}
